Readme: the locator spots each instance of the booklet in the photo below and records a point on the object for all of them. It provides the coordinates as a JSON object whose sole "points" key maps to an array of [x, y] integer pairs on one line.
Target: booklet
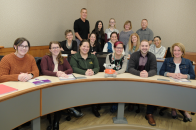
{"points": [[6, 89], [70, 77], [39, 80], [180, 80]]}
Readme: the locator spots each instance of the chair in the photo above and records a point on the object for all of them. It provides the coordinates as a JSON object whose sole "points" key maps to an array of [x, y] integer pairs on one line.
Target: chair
{"points": [[38, 62], [101, 56], [1, 56]]}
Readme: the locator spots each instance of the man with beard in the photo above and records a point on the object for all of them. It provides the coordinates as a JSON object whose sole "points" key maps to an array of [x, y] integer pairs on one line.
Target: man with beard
{"points": [[143, 63]]}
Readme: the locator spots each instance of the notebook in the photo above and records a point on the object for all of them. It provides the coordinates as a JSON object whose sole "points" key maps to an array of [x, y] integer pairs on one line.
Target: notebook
{"points": [[39, 80], [70, 77], [6, 89], [180, 80]]}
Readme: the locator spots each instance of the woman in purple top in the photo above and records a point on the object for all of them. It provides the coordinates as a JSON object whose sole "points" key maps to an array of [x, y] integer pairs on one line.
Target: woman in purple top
{"points": [[54, 64]]}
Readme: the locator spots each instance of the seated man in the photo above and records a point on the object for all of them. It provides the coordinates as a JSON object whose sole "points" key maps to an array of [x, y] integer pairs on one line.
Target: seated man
{"points": [[143, 63]]}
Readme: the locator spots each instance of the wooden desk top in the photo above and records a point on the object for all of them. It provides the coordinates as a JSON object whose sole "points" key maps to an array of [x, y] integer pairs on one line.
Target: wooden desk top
{"points": [[26, 87], [1, 47]]}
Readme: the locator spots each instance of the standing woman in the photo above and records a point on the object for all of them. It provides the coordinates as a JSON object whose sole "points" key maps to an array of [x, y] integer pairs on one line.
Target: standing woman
{"points": [[111, 28], [117, 58], [100, 37], [126, 33], [157, 49], [18, 66], [133, 44], [95, 47], [69, 46], [178, 67], [54, 64]]}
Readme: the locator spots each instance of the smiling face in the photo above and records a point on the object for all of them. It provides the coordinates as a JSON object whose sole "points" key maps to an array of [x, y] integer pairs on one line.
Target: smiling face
{"points": [[119, 49], [84, 48], [22, 49], [144, 24], [92, 38], [144, 47], [134, 39], [113, 38], [127, 26], [157, 42], [100, 25], [55, 49], [69, 36], [177, 52], [112, 22], [83, 14]]}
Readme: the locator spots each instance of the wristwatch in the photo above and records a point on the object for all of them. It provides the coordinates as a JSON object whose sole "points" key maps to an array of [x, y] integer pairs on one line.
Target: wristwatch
{"points": [[32, 75]]}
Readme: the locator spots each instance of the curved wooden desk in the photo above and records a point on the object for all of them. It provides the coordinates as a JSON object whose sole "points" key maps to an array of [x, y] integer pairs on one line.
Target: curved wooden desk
{"points": [[31, 102]]}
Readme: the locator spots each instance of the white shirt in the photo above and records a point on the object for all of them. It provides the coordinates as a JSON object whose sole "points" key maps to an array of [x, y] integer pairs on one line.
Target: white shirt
{"points": [[177, 70]]}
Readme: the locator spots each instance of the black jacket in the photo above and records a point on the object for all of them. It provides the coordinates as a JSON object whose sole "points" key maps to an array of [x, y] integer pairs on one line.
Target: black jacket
{"points": [[150, 67]]}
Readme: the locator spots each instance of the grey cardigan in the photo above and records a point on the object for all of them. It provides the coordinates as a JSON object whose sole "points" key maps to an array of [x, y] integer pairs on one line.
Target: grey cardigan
{"points": [[150, 67]]}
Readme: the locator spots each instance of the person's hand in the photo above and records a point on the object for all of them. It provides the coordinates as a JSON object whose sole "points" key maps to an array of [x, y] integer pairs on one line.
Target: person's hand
{"points": [[64, 75], [62, 49], [181, 76], [144, 74], [94, 52], [89, 72], [24, 77], [73, 52], [59, 73], [174, 75]]}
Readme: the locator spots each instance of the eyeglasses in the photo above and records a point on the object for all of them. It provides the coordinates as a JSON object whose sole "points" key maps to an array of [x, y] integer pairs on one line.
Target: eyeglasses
{"points": [[53, 48], [21, 46], [119, 48]]}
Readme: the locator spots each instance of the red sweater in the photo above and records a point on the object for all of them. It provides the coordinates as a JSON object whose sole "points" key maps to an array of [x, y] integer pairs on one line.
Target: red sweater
{"points": [[47, 66], [11, 66]]}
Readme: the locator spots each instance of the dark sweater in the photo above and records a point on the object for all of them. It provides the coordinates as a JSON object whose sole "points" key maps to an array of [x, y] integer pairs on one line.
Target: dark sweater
{"points": [[96, 48], [150, 66], [66, 50], [47, 66]]}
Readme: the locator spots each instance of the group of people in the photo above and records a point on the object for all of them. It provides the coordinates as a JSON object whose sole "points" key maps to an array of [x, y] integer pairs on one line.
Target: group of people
{"points": [[137, 47]]}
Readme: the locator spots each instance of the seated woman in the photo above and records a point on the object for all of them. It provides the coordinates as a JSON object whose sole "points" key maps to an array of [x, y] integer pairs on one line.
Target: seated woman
{"points": [[95, 47], [133, 44], [178, 67], [117, 58], [111, 28], [18, 66], [109, 46], [100, 36], [85, 63], [126, 33], [157, 49], [69, 46], [54, 64]]}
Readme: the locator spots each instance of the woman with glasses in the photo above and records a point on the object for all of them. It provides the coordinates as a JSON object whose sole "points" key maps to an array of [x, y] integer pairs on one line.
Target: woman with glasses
{"points": [[54, 64], [18, 66], [69, 46], [117, 58]]}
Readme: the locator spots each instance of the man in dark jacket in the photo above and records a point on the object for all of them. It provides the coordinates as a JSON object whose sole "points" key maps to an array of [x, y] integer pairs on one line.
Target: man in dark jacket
{"points": [[143, 63]]}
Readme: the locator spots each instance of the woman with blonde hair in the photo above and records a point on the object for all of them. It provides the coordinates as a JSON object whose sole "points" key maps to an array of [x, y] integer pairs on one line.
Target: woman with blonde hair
{"points": [[111, 28], [126, 33], [133, 44], [178, 67]]}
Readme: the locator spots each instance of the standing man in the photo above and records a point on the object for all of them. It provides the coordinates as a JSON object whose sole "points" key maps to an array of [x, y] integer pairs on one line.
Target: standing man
{"points": [[81, 27], [145, 33], [143, 63]]}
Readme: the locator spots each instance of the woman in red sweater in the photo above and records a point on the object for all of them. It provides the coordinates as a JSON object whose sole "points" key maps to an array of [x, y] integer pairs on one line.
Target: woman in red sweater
{"points": [[54, 64], [18, 66]]}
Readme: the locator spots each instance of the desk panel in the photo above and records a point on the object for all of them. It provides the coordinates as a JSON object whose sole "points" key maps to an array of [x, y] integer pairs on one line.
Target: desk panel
{"points": [[70, 95], [18, 110]]}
